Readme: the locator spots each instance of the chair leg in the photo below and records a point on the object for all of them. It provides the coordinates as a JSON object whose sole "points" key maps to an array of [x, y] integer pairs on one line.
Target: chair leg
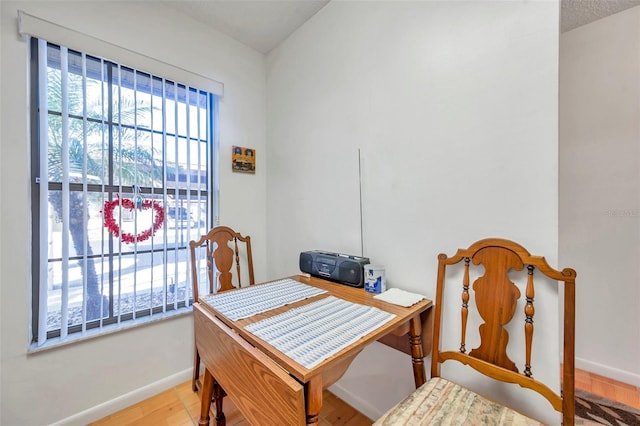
{"points": [[218, 395], [195, 380]]}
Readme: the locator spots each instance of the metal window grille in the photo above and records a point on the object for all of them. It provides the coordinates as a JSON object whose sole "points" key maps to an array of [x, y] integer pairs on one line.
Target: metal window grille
{"points": [[104, 133]]}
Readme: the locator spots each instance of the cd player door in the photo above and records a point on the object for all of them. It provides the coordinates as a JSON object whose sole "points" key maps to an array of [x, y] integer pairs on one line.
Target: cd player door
{"points": [[324, 266]]}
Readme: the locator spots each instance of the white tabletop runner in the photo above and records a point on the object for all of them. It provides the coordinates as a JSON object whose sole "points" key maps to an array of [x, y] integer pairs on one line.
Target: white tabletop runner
{"points": [[249, 301], [311, 333]]}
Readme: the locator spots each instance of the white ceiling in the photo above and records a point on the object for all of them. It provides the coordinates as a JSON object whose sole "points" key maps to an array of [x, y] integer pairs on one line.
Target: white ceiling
{"points": [[260, 24], [574, 13], [263, 24]]}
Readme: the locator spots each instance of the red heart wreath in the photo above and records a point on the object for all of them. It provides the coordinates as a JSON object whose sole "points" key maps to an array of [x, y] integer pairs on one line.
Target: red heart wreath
{"points": [[113, 227]]}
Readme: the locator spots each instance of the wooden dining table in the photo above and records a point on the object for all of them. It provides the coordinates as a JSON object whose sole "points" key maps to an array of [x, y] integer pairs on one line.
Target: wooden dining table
{"points": [[268, 386]]}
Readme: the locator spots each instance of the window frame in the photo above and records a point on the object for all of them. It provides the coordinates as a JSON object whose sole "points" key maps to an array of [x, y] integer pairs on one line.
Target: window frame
{"points": [[210, 194]]}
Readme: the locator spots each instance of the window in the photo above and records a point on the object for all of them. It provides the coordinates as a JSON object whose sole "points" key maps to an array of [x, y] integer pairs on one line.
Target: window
{"points": [[122, 178]]}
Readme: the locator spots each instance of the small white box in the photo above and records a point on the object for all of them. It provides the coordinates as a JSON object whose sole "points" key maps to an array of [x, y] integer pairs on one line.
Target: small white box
{"points": [[374, 281]]}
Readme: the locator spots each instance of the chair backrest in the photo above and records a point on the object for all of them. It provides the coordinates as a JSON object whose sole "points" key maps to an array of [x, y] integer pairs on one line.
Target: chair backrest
{"points": [[495, 297], [221, 248]]}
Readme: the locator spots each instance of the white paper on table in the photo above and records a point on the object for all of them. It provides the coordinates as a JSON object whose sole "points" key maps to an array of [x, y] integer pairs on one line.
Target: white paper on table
{"points": [[399, 297]]}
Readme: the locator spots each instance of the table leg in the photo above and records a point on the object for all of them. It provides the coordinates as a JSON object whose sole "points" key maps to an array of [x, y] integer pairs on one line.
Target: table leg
{"points": [[417, 357], [206, 394], [196, 370], [313, 399]]}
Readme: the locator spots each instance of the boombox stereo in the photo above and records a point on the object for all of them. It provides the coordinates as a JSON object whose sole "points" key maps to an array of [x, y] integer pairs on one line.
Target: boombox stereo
{"points": [[342, 268]]}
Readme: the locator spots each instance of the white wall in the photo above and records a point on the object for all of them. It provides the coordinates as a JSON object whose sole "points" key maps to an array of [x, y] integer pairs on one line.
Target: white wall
{"points": [[454, 108], [111, 372], [600, 189]]}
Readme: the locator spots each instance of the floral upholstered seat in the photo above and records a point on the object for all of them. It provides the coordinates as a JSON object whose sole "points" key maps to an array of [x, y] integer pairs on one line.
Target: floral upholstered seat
{"points": [[441, 402]]}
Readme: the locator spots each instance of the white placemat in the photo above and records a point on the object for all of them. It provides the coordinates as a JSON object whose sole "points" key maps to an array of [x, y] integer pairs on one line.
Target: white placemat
{"points": [[249, 301], [399, 297], [311, 333]]}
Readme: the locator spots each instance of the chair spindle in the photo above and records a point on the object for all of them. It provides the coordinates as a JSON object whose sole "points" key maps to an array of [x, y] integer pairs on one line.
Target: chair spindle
{"points": [[235, 242], [210, 267], [529, 311], [465, 304]]}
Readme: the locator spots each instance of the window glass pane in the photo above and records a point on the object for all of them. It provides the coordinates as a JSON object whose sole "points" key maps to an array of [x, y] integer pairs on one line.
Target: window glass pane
{"points": [[194, 148], [170, 108], [158, 152], [54, 296], [132, 162], [125, 107], [76, 150], [55, 148], [199, 214], [96, 102], [204, 118], [193, 114], [97, 153], [75, 82], [143, 100], [54, 91], [178, 288], [182, 111]]}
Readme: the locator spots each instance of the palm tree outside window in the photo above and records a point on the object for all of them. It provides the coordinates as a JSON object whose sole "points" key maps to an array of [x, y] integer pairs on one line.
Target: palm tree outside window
{"points": [[103, 132]]}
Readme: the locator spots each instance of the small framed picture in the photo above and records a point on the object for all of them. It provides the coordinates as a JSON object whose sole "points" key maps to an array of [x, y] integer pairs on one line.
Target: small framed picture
{"points": [[243, 159]]}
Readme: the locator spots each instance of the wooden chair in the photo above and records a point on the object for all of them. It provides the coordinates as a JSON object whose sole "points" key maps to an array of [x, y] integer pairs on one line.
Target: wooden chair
{"points": [[495, 297], [219, 256]]}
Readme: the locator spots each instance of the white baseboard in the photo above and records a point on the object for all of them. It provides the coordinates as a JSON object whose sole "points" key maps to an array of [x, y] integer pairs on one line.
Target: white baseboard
{"points": [[140, 394], [608, 371], [126, 400], [358, 403]]}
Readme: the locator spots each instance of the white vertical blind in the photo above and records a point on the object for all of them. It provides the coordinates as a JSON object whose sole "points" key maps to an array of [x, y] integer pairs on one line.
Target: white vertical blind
{"points": [[178, 211], [213, 129], [64, 83], [120, 168], [104, 158], [188, 142], [165, 268], [136, 186], [85, 209], [44, 196]]}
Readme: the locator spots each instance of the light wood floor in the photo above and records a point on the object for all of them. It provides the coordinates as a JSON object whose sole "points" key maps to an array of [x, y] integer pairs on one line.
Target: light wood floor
{"points": [[608, 388], [180, 406]]}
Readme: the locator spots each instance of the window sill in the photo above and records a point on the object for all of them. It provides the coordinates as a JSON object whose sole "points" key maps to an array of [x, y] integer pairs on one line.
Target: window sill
{"points": [[58, 342]]}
